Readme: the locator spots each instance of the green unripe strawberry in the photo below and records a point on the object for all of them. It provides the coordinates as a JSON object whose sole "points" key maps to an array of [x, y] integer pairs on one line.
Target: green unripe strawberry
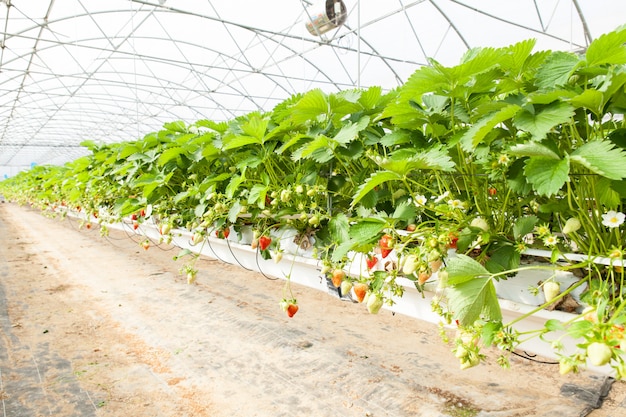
{"points": [[346, 286], [469, 362], [571, 225], [410, 264], [480, 223], [374, 303], [551, 290], [565, 366], [599, 353]]}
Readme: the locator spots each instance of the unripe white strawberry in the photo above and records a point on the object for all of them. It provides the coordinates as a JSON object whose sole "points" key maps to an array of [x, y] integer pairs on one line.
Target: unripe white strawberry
{"points": [[480, 223], [374, 303], [571, 225], [551, 290], [599, 353]]}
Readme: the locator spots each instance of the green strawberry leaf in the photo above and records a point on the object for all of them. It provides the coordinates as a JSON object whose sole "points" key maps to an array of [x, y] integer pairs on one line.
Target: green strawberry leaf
{"points": [[538, 124], [372, 182], [319, 149], [580, 328], [462, 268], [312, 105], [238, 141], [606, 195], [523, 226], [170, 154], [554, 325], [255, 126], [404, 211], [601, 157], [177, 126], [474, 299], [556, 70], [533, 149], [607, 49], [547, 175], [350, 131], [339, 228], [590, 99], [370, 97], [366, 229], [475, 135]]}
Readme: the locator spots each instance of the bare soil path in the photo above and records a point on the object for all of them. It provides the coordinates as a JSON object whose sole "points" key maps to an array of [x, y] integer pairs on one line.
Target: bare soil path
{"points": [[94, 326]]}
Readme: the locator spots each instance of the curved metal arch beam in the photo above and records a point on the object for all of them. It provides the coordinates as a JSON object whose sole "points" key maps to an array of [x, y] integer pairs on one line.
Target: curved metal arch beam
{"points": [[180, 11], [219, 53], [87, 77], [263, 34], [530, 29], [267, 34], [148, 88], [451, 23], [583, 21], [169, 39], [116, 98]]}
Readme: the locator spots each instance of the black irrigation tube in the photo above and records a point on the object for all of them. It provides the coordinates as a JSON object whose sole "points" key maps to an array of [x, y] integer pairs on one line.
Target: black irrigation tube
{"points": [[235, 257], [256, 258], [208, 240], [531, 358]]}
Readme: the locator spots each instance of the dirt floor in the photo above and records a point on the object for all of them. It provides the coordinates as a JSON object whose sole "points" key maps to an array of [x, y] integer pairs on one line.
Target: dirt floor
{"points": [[95, 326]]}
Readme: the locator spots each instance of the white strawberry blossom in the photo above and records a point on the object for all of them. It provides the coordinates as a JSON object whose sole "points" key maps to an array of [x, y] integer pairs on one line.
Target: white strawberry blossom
{"points": [[420, 201], [613, 218], [456, 204], [550, 240]]}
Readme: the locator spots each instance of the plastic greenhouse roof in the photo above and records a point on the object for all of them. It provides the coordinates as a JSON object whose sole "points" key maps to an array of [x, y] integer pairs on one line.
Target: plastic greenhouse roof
{"points": [[115, 70]]}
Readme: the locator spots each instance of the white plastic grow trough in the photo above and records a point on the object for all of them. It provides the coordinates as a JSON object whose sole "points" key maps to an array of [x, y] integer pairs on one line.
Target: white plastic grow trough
{"points": [[305, 270]]}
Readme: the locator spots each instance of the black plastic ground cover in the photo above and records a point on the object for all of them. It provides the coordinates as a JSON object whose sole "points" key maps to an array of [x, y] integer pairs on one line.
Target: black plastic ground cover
{"points": [[33, 381]]}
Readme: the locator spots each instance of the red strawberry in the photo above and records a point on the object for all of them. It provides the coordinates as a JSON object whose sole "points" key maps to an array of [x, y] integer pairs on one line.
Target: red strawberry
{"points": [[264, 242], [338, 276], [88, 225], [371, 261], [360, 289], [135, 225], [223, 234], [292, 309], [133, 217], [143, 213], [453, 239], [386, 245], [492, 191]]}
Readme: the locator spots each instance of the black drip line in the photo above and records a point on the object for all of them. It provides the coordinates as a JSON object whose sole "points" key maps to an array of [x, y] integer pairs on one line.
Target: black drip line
{"points": [[234, 256], [531, 358], [256, 258], [208, 240]]}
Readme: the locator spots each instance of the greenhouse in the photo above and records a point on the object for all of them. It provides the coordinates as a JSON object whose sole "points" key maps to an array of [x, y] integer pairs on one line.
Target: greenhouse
{"points": [[319, 208]]}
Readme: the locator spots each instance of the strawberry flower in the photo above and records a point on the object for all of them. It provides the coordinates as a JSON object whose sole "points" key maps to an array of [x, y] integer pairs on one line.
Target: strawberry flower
{"points": [[613, 219], [456, 204], [420, 201], [550, 240]]}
